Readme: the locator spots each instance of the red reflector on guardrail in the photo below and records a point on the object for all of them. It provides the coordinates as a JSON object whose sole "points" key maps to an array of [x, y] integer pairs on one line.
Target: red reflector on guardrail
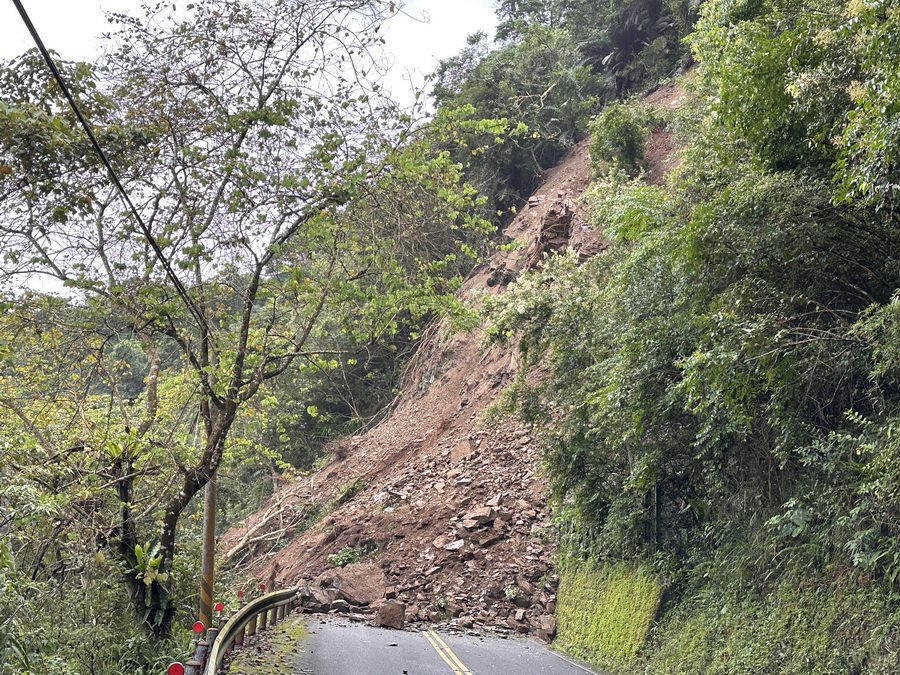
{"points": [[219, 606], [198, 626], [175, 669]]}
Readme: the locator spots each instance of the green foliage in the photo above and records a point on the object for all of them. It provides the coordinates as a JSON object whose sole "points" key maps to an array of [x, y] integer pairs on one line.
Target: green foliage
{"points": [[73, 626], [809, 85], [626, 208], [604, 612], [344, 557], [721, 386], [540, 86], [618, 137], [315, 233], [729, 358], [737, 615], [868, 156], [554, 61], [625, 43]]}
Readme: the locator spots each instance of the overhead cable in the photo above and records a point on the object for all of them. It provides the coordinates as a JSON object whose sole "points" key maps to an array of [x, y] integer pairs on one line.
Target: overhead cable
{"points": [[157, 249]]}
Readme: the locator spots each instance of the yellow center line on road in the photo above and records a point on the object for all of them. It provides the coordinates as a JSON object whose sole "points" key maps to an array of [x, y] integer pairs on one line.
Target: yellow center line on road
{"points": [[453, 657], [440, 652], [444, 651]]}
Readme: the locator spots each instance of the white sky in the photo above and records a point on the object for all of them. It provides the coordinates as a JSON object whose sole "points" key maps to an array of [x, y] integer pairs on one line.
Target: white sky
{"points": [[73, 27]]}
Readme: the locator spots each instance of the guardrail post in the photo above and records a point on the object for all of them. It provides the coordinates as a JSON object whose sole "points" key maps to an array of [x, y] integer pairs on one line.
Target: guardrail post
{"points": [[239, 638], [192, 667], [263, 619], [201, 652], [273, 618], [211, 636], [251, 627]]}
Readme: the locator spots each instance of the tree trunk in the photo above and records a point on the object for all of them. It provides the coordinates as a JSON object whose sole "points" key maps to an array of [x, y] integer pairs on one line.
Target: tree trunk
{"points": [[195, 479]]}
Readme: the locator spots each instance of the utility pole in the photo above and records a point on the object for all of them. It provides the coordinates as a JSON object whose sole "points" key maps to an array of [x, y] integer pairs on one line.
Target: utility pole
{"points": [[208, 563]]}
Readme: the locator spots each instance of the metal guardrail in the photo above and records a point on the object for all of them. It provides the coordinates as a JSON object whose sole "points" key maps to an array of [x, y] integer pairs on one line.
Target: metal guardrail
{"points": [[253, 618]]}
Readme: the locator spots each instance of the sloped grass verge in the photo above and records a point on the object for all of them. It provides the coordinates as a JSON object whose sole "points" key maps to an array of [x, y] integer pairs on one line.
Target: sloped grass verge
{"points": [[604, 611], [819, 623], [274, 652]]}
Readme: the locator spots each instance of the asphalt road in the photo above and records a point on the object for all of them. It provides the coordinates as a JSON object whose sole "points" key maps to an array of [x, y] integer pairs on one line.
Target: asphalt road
{"points": [[338, 647]]}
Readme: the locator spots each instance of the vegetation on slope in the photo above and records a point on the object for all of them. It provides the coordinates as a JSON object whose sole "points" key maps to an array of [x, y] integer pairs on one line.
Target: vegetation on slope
{"points": [[605, 612], [725, 377]]}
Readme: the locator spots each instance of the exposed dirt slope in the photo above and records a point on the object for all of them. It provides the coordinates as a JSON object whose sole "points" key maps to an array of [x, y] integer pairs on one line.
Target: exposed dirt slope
{"points": [[454, 508], [432, 463]]}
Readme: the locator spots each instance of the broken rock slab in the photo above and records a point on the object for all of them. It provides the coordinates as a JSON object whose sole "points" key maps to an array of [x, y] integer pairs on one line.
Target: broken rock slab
{"points": [[463, 449], [547, 629], [359, 584], [478, 517], [390, 614]]}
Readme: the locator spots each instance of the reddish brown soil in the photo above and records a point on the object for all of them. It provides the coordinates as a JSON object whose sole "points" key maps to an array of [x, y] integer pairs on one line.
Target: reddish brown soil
{"points": [[435, 460], [660, 153]]}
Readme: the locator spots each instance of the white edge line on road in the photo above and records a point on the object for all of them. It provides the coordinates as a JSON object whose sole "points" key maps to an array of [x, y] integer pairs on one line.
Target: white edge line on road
{"points": [[571, 662]]}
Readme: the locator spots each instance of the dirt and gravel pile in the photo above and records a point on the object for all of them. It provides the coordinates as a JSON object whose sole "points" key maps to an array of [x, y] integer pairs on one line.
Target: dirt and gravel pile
{"points": [[438, 513]]}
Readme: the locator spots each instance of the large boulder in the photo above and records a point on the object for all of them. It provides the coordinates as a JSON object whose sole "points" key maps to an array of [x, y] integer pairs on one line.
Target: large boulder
{"points": [[316, 599], [390, 614], [360, 584]]}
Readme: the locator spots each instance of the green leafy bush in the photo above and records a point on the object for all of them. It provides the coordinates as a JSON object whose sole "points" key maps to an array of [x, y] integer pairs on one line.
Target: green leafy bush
{"points": [[344, 557], [626, 208], [618, 137]]}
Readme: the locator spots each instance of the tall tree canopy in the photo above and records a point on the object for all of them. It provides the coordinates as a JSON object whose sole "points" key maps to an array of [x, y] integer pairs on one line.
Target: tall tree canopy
{"points": [[289, 197]]}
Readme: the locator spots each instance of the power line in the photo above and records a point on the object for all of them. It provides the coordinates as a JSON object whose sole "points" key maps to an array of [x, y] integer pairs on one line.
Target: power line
{"points": [[179, 287]]}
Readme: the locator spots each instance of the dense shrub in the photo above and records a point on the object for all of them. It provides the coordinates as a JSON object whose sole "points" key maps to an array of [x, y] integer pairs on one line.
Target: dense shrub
{"points": [[538, 82], [618, 137], [728, 360]]}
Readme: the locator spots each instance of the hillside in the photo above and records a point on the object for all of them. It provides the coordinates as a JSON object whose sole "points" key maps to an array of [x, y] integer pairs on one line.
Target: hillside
{"points": [[592, 337], [433, 466], [447, 509]]}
